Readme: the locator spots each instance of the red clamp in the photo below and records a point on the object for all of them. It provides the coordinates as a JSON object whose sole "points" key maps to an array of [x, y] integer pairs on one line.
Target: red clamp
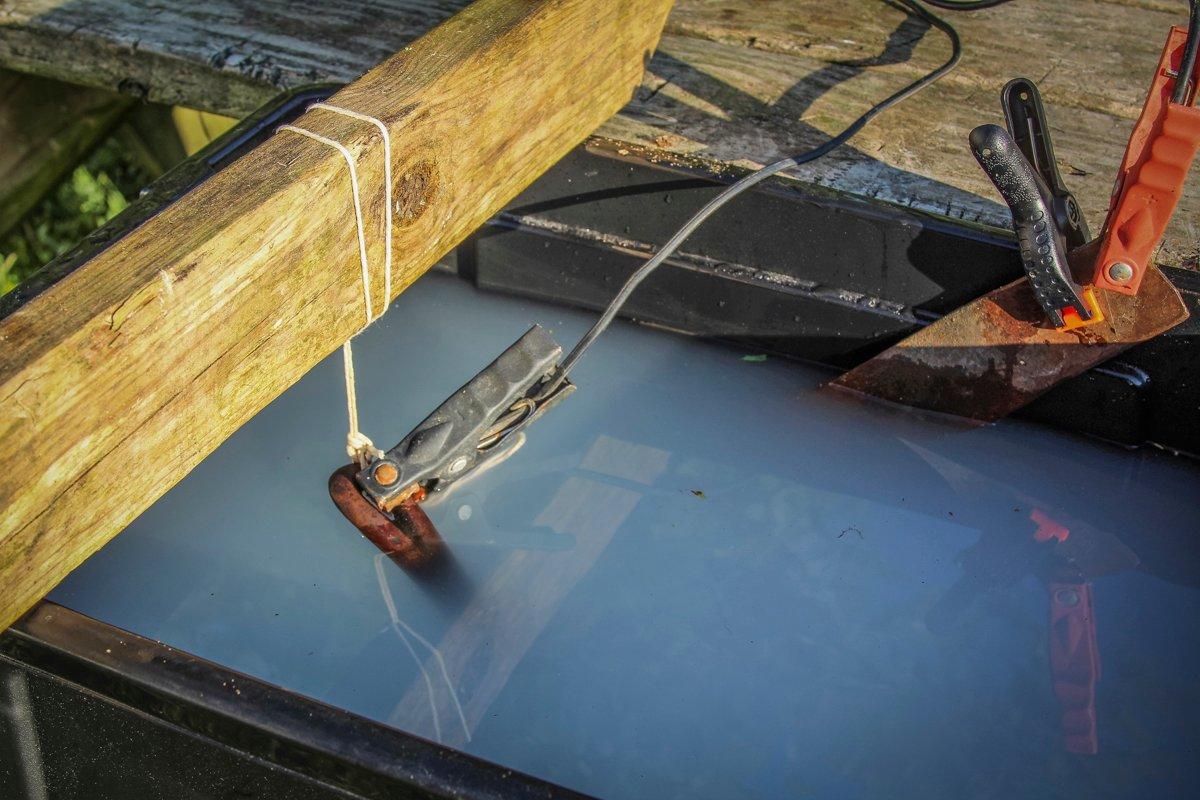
{"points": [[1075, 663], [1160, 151]]}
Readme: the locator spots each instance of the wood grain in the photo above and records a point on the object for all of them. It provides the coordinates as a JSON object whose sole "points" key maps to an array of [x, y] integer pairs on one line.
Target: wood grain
{"points": [[118, 379], [735, 80]]}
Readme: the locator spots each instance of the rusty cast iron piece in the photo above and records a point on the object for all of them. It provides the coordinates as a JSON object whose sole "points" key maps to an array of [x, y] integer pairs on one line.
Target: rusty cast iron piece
{"points": [[998, 353], [408, 536], [1001, 351]]}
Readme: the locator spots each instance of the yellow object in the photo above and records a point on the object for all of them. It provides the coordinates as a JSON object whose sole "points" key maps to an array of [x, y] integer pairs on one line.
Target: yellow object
{"points": [[198, 128], [1071, 318]]}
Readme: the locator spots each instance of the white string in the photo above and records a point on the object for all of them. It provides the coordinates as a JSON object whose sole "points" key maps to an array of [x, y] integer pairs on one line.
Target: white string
{"points": [[358, 215], [387, 178], [358, 445]]}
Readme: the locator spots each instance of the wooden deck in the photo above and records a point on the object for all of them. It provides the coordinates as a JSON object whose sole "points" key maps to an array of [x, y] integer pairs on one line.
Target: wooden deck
{"points": [[740, 81]]}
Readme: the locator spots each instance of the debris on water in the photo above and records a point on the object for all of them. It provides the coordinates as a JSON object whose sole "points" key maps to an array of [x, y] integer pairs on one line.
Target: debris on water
{"points": [[852, 528], [756, 359], [699, 493]]}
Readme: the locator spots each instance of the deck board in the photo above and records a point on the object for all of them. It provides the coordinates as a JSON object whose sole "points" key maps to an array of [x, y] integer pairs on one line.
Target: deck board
{"points": [[741, 81]]}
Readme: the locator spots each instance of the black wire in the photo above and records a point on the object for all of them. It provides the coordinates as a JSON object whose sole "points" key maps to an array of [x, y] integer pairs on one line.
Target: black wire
{"points": [[965, 5], [758, 176], [1188, 63]]}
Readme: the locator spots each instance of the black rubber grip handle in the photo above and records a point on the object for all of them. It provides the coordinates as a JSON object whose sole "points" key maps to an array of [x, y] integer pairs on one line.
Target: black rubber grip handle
{"points": [[1026, 119], [1042, 249], [1027, 123]]}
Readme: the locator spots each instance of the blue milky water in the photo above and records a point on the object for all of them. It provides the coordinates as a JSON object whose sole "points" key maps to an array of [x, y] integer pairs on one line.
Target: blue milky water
{"points": [[701, 577]]}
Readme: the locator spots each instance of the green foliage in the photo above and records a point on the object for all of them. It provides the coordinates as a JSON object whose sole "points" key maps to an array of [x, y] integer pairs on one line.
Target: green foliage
{"points": [[94, 193]]}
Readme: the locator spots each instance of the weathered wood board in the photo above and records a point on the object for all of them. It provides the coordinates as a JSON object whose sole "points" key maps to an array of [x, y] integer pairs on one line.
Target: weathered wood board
{"points": [[734, 80], [116, 380]]}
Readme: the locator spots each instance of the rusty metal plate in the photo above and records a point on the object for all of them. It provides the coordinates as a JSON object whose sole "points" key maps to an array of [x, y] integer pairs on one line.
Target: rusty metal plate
{"points": [[997, 353]]}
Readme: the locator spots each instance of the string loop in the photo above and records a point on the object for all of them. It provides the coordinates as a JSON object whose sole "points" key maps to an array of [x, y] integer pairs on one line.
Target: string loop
{"points": [[358, 445]]}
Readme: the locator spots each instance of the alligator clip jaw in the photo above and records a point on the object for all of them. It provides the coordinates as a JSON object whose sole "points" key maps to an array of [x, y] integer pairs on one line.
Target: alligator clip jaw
{"points": [[477, 426]]}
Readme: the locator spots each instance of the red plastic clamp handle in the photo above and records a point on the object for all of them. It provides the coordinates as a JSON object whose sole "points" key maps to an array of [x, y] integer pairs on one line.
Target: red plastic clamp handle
{"points": [[1151, 179]]}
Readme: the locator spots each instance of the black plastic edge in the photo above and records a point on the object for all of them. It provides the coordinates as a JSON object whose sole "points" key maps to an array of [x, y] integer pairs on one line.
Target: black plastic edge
{"points": [[253, 717]]}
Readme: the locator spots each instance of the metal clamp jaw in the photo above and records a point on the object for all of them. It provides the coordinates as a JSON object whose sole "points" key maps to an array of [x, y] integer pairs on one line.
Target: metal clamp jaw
{"points": [[475, 427]]}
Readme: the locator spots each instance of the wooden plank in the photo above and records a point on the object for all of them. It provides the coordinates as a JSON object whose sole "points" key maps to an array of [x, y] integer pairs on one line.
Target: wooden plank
{"points": [[118, 379], [734, 81], [807, 75], [226, 56], [46, 128]]}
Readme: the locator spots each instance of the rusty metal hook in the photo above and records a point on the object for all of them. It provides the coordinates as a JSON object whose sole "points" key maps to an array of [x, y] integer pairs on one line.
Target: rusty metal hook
{"points": [[408, 536]]}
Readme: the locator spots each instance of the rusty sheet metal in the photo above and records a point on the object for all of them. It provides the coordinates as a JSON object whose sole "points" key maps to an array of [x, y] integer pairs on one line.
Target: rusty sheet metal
{"points": [[410, 539], [997, 353]]}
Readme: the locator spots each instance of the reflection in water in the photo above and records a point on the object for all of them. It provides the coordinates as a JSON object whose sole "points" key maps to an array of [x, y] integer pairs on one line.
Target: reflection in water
{"points": [[700, 577], [1065, 554], [404, 631], [514, 605], [1075, 663]]}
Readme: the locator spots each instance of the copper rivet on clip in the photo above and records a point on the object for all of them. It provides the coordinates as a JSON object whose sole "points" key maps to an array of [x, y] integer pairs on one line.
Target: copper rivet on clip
{"points": [[385, 474]]}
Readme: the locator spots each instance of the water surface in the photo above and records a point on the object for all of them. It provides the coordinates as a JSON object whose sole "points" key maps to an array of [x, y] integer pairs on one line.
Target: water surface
{"points": [[700, 578]]}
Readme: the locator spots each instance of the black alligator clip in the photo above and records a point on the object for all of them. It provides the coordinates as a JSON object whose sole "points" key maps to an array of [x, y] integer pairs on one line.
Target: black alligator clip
{"points": [[1046, 218], [477, 426]]}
